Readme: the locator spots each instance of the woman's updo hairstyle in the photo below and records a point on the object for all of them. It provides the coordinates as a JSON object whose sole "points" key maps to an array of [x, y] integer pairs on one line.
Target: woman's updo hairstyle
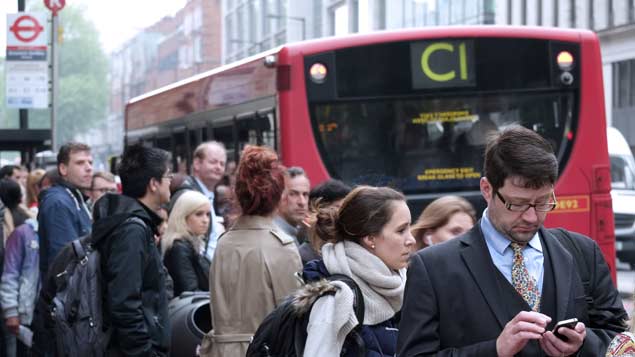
{"points": [[364, 211], [259, 181]]}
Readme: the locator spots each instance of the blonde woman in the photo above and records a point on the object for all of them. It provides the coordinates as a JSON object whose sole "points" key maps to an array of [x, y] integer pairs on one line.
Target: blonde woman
{"points": [[183, 243], [445, 218]]}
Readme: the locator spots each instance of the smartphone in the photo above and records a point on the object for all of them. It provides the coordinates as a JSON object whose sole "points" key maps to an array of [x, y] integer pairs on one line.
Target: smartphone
{"points": [[570, 323]]}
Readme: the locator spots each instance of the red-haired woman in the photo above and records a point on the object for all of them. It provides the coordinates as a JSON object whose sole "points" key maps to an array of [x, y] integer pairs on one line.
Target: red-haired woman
{"points": [[254, 263]]}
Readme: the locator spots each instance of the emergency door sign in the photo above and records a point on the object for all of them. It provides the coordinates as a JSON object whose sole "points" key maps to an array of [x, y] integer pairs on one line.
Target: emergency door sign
{"points": [[26, 61]]}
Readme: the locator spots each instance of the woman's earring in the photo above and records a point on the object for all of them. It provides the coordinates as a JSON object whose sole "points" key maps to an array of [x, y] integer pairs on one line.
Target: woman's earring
{"points": [[372, 246]]}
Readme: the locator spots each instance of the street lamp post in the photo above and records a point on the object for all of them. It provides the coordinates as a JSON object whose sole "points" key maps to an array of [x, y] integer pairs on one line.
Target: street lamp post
{"points": [[296, 18]]}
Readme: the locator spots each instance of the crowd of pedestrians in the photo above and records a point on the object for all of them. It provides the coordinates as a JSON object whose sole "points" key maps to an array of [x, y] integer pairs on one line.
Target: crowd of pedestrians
{"points": [[254, 234]]}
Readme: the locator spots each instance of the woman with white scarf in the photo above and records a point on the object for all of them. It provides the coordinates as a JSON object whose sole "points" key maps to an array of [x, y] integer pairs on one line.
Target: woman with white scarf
{"points": [[369, 241]]}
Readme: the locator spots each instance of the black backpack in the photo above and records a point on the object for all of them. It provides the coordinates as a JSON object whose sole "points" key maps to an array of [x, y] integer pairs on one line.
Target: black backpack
{"points": [[283, 332], [76, 299]]}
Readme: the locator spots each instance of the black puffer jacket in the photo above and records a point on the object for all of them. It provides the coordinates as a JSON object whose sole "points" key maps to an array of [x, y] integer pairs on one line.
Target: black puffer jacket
{"points": [[136, 305], [189, 269]]}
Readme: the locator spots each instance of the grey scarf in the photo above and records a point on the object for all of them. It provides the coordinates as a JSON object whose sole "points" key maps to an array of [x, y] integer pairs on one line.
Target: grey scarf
{"points": [[382, 287]]}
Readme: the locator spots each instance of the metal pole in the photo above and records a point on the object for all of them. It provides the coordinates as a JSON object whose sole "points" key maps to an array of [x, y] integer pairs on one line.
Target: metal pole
{"points": [[54, 82], [23, 113]]}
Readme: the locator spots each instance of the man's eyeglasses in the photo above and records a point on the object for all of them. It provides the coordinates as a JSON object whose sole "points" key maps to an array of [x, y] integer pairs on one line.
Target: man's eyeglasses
{"points": [[539, 207], [169, 176]]}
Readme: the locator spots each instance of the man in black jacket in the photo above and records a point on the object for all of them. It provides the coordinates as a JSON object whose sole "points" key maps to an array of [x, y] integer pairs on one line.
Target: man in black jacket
{"points": [[133, 275], [499, 289]]}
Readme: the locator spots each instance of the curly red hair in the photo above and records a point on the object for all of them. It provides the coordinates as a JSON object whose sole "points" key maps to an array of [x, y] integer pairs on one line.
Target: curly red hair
{"points": [[259, 181]]}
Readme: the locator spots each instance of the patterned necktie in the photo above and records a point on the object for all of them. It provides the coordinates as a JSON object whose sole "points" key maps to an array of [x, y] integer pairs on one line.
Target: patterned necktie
{"points": [[522, 281]]}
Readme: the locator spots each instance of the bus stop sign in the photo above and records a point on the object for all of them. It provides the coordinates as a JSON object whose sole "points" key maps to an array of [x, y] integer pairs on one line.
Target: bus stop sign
{"points": [[55, 5]]}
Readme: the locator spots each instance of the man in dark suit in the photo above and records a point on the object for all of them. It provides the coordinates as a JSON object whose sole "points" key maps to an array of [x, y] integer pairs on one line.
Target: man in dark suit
{"points": [[499, 289]]}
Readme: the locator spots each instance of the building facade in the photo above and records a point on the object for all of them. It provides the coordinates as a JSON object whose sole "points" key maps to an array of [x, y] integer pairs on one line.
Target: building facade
{"points": [[614, 22], [174, 48]]}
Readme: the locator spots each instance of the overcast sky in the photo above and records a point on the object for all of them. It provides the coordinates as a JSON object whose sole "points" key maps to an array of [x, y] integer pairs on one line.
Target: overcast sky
{"points": [[116, 20]]}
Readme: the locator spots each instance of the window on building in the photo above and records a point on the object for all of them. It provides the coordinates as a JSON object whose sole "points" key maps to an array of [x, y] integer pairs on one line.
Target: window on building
{"points": [[198, 49], [317, 18], [600, 14], [444, 12], [472, 16], [254, 20], [364, 17], [198, 18], [624, 84], [564, 13], [340, 20], [456, 12], [531, 14], [380, 15], [582, 14], [187, 24], [621, 12]]}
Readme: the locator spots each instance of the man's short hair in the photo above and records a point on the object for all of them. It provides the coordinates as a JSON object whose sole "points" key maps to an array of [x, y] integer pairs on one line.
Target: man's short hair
{"points": [[329, 191], [520, 152], [295, 171], [7, 170], [64, 155], [104, 175], [138, 166], [200, 151]]}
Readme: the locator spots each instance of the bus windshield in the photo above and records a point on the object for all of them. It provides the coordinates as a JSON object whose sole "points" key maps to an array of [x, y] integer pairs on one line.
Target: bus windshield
{"points": [[425, 144]]}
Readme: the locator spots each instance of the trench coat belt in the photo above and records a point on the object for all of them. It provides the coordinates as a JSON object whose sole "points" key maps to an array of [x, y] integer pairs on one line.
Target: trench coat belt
{"points": [[232, 337]]}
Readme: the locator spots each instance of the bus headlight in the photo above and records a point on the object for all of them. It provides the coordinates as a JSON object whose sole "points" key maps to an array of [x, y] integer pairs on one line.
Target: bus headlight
{"points": [[318, 73]]}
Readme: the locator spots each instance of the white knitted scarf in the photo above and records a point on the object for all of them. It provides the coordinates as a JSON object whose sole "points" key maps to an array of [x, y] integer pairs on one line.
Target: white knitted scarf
{"points": [[381, 286]]}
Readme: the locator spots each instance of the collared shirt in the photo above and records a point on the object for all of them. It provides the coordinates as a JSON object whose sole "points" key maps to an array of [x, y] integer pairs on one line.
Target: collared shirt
{"points": [[212, 240], [287, 228], [503, 255]]}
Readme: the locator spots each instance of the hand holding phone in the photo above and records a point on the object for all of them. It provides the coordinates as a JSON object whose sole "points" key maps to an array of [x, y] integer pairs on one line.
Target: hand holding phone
{"points": [[570, 323]]}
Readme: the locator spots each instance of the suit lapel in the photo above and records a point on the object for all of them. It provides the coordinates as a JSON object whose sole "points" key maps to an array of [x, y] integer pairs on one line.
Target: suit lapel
{"points": [[563, 269], [476, 257]]}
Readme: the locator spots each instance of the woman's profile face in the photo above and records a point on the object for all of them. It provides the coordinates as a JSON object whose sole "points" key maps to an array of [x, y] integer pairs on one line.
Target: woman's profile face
{"points": [[459, 223], [198, 221], [393, 246]]}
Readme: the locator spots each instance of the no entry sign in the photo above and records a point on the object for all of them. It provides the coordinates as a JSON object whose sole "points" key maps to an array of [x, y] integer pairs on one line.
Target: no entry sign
{"points": [[55, 5]]}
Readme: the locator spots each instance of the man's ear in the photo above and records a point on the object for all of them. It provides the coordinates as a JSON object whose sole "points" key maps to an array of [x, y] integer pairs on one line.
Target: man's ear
{"points": [[196, 164], [63, 169], [153, 185], [486, 189]]}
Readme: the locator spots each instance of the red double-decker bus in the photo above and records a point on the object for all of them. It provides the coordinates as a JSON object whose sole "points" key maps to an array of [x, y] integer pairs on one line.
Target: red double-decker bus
{"points": [[410, 109]]}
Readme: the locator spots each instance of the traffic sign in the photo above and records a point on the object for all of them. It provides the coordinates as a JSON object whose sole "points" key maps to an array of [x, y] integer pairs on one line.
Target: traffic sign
{"points": [[55, 5]]}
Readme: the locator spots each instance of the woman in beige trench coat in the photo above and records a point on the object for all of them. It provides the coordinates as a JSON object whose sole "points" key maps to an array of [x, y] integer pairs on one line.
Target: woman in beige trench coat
{"points": [[254, 264]]}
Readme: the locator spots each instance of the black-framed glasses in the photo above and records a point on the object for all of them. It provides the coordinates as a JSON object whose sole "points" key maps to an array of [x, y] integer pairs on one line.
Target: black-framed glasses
{"points": [[539, 207]]}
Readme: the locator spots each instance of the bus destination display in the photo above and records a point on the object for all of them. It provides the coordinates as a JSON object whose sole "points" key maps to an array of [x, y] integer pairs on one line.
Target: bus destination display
{"points": [[442, 64]]}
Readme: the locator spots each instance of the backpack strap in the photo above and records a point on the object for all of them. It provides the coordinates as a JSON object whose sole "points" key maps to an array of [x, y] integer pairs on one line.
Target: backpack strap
{"points": [[80, 252], [570, 243]]}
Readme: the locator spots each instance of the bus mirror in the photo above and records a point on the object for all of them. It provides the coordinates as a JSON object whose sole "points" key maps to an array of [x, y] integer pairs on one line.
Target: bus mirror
{"points": [[270, 61]]}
